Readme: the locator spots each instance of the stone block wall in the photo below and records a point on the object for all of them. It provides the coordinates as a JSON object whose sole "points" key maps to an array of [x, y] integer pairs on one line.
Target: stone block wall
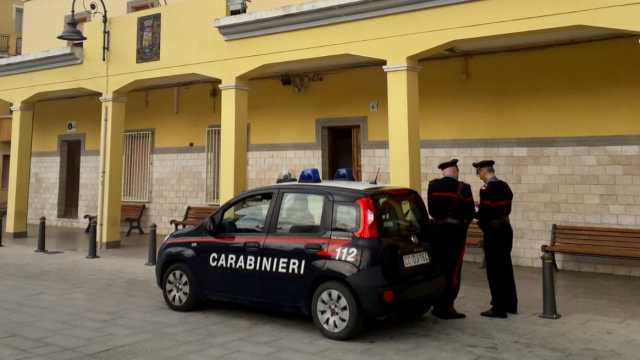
{"points": [[595, 185], [264, 166], [178, 181], [43, 190]]}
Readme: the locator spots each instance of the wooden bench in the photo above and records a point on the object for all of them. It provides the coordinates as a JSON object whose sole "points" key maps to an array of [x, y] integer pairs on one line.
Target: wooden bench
{"points": [[474, 236], [594, 241], [194, 215], [130, 213]]}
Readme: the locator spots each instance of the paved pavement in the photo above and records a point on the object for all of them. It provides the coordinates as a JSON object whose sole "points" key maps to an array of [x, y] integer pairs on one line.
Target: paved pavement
{"points": [[63, 306]]}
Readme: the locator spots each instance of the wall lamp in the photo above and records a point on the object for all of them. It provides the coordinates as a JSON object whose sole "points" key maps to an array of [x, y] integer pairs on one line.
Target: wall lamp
{"points": [[71, 32]]}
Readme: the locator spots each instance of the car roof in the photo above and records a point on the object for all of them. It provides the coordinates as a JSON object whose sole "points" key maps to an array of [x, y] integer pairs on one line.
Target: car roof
{"points": [[334, 186]]}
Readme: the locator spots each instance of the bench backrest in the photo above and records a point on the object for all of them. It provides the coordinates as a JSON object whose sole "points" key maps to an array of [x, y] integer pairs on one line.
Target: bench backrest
{"points": [[132, 211], [474, 235], [195, 214], [596, 237]]}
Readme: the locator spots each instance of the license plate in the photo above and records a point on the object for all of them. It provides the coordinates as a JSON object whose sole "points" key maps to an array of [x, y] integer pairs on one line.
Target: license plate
{"points": [[416, 259]]}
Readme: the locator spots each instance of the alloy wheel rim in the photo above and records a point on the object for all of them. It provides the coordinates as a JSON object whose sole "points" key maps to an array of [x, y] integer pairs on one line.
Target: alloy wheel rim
{"points": [[333, 310], [177, 287]]}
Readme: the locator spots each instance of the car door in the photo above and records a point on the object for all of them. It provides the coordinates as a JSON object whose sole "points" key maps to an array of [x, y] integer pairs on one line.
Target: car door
{"points": [[234, 249], [295, 246]]}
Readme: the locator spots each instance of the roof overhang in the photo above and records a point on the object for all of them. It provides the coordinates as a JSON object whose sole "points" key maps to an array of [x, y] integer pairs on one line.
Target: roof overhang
{"points": [[317, 13], [313, 65], [41, 60], [524, 40]]}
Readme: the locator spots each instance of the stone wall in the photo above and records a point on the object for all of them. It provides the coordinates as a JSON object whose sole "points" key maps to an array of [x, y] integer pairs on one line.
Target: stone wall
{"points": [[264, 166], [43, 189], [595, 185], [178, 181]]}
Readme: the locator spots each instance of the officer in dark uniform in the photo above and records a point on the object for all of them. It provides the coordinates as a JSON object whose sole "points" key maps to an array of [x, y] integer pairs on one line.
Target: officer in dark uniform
{"points": [[452, 208], [493, 217]]}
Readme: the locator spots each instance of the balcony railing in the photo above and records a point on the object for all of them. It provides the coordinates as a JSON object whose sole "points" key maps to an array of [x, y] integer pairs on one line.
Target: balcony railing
{"points": [[10, 45]]}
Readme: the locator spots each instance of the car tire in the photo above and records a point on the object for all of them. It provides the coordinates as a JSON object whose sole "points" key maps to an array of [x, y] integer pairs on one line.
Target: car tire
{"points": [[335, 311], [179, 289]]}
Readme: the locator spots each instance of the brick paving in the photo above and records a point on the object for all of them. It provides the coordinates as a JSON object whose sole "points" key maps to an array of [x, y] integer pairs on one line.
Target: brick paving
{"points": [[63, 306]]}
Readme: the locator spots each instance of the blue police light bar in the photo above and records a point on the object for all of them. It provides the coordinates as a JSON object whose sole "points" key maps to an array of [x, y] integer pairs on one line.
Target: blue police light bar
{"points": [[344, 174], [310, 176]]}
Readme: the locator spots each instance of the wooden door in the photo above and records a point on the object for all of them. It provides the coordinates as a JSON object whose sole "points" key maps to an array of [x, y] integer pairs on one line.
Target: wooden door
{"points": [[356, 153], [72, 179]]}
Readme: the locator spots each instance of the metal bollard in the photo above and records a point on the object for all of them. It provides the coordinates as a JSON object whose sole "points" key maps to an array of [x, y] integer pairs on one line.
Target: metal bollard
{"points": [[549, 308], [151, 258], [92, 240], [1, 227], [41, 236]]}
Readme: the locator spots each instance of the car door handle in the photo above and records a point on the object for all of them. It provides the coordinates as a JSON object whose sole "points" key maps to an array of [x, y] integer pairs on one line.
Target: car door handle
{"points": [[252, 245], [313, 247]]}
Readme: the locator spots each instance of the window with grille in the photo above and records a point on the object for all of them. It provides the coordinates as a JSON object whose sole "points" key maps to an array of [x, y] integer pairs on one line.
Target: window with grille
{"points": [[213, 166], [136, 166]]}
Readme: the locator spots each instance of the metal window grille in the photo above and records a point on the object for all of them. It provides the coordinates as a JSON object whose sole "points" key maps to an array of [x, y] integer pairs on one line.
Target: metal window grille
{"points": [[136, 166], [212, 166]]}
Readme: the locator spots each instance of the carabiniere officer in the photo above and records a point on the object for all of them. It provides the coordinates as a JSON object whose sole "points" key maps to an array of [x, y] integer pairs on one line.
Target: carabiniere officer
{"points": [[452, 208], [493, 217]]}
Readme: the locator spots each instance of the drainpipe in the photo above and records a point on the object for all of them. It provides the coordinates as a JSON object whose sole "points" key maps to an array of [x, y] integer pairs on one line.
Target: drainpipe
{"points": [[103, 147]]}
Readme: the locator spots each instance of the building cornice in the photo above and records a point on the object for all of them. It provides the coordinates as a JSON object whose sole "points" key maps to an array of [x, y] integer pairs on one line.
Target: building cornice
{"points": [[113, 99], [41, 60], [21, 107], [394, 68], [241, 87], [317, 13]]}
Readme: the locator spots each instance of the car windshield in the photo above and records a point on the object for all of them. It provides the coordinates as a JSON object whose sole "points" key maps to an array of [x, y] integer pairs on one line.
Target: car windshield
{"points": [[401, 213]]}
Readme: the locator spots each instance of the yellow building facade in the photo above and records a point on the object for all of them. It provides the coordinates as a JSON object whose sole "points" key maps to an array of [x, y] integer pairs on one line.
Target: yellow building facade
{"points": [[546, 88]]}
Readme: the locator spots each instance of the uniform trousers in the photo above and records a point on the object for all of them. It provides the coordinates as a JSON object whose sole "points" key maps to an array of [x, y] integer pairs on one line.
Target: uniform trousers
{"points": [[450, 242], [498, 243]]}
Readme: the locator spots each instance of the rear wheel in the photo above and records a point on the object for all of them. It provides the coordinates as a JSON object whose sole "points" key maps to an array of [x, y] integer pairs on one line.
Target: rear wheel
{"points": [[335, 311], [179, 288]]}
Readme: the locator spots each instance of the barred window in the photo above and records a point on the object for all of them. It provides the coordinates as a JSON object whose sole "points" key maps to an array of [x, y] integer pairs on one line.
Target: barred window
{"points": [[212, 166], [136, 166]]}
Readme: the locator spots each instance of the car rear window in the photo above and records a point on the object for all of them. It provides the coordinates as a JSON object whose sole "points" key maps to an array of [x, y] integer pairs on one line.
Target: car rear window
{"points": [[401, 213], [345, 217]]}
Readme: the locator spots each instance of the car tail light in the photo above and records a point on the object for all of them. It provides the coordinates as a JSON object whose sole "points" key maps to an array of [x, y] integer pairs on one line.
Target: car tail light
{"points": [[368, 226], [388, 296]]}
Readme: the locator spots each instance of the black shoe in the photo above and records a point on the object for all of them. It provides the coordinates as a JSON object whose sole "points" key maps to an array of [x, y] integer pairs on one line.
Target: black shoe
{"points": [[493, 313], [513, 312], [448, 315]]}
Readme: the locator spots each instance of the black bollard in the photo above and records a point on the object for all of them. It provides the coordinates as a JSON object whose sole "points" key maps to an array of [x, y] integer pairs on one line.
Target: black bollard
{"points": [[92, 240], [549, 308], [1, 227], [41, 236], [151, 258]]}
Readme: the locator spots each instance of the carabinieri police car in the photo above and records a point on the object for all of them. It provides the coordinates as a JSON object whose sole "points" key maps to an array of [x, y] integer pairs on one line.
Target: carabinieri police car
{"points": [[339, 251]]}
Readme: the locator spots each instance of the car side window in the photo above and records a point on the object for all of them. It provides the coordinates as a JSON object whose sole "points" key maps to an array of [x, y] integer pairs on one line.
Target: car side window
{"points": [[248, 215], [300, 214], [345, 218]]}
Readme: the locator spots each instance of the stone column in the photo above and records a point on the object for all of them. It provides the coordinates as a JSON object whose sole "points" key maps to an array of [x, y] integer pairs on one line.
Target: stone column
{"points": [[404, 125], [19, 169], [233, 157], [110, 192]]}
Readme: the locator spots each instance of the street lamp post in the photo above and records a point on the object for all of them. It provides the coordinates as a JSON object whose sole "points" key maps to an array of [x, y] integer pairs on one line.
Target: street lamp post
{"points": [[71, 32]]}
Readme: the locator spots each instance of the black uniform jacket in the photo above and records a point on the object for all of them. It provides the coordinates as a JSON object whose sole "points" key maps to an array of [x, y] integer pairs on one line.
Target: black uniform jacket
{"points": [[447, 200], [495, 202]]}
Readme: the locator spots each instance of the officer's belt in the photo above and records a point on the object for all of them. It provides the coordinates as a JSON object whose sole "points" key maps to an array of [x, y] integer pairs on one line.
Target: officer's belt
{"points": [[500, 220], [449, 221]]}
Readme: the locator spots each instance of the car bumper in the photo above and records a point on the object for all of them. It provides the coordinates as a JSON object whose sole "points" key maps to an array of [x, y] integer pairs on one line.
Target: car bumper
{"points": [[421, 290]]}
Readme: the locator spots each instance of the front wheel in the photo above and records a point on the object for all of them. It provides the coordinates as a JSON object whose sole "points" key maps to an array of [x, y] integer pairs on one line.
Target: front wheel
{"points": [[335, 311], [179, 288]]}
